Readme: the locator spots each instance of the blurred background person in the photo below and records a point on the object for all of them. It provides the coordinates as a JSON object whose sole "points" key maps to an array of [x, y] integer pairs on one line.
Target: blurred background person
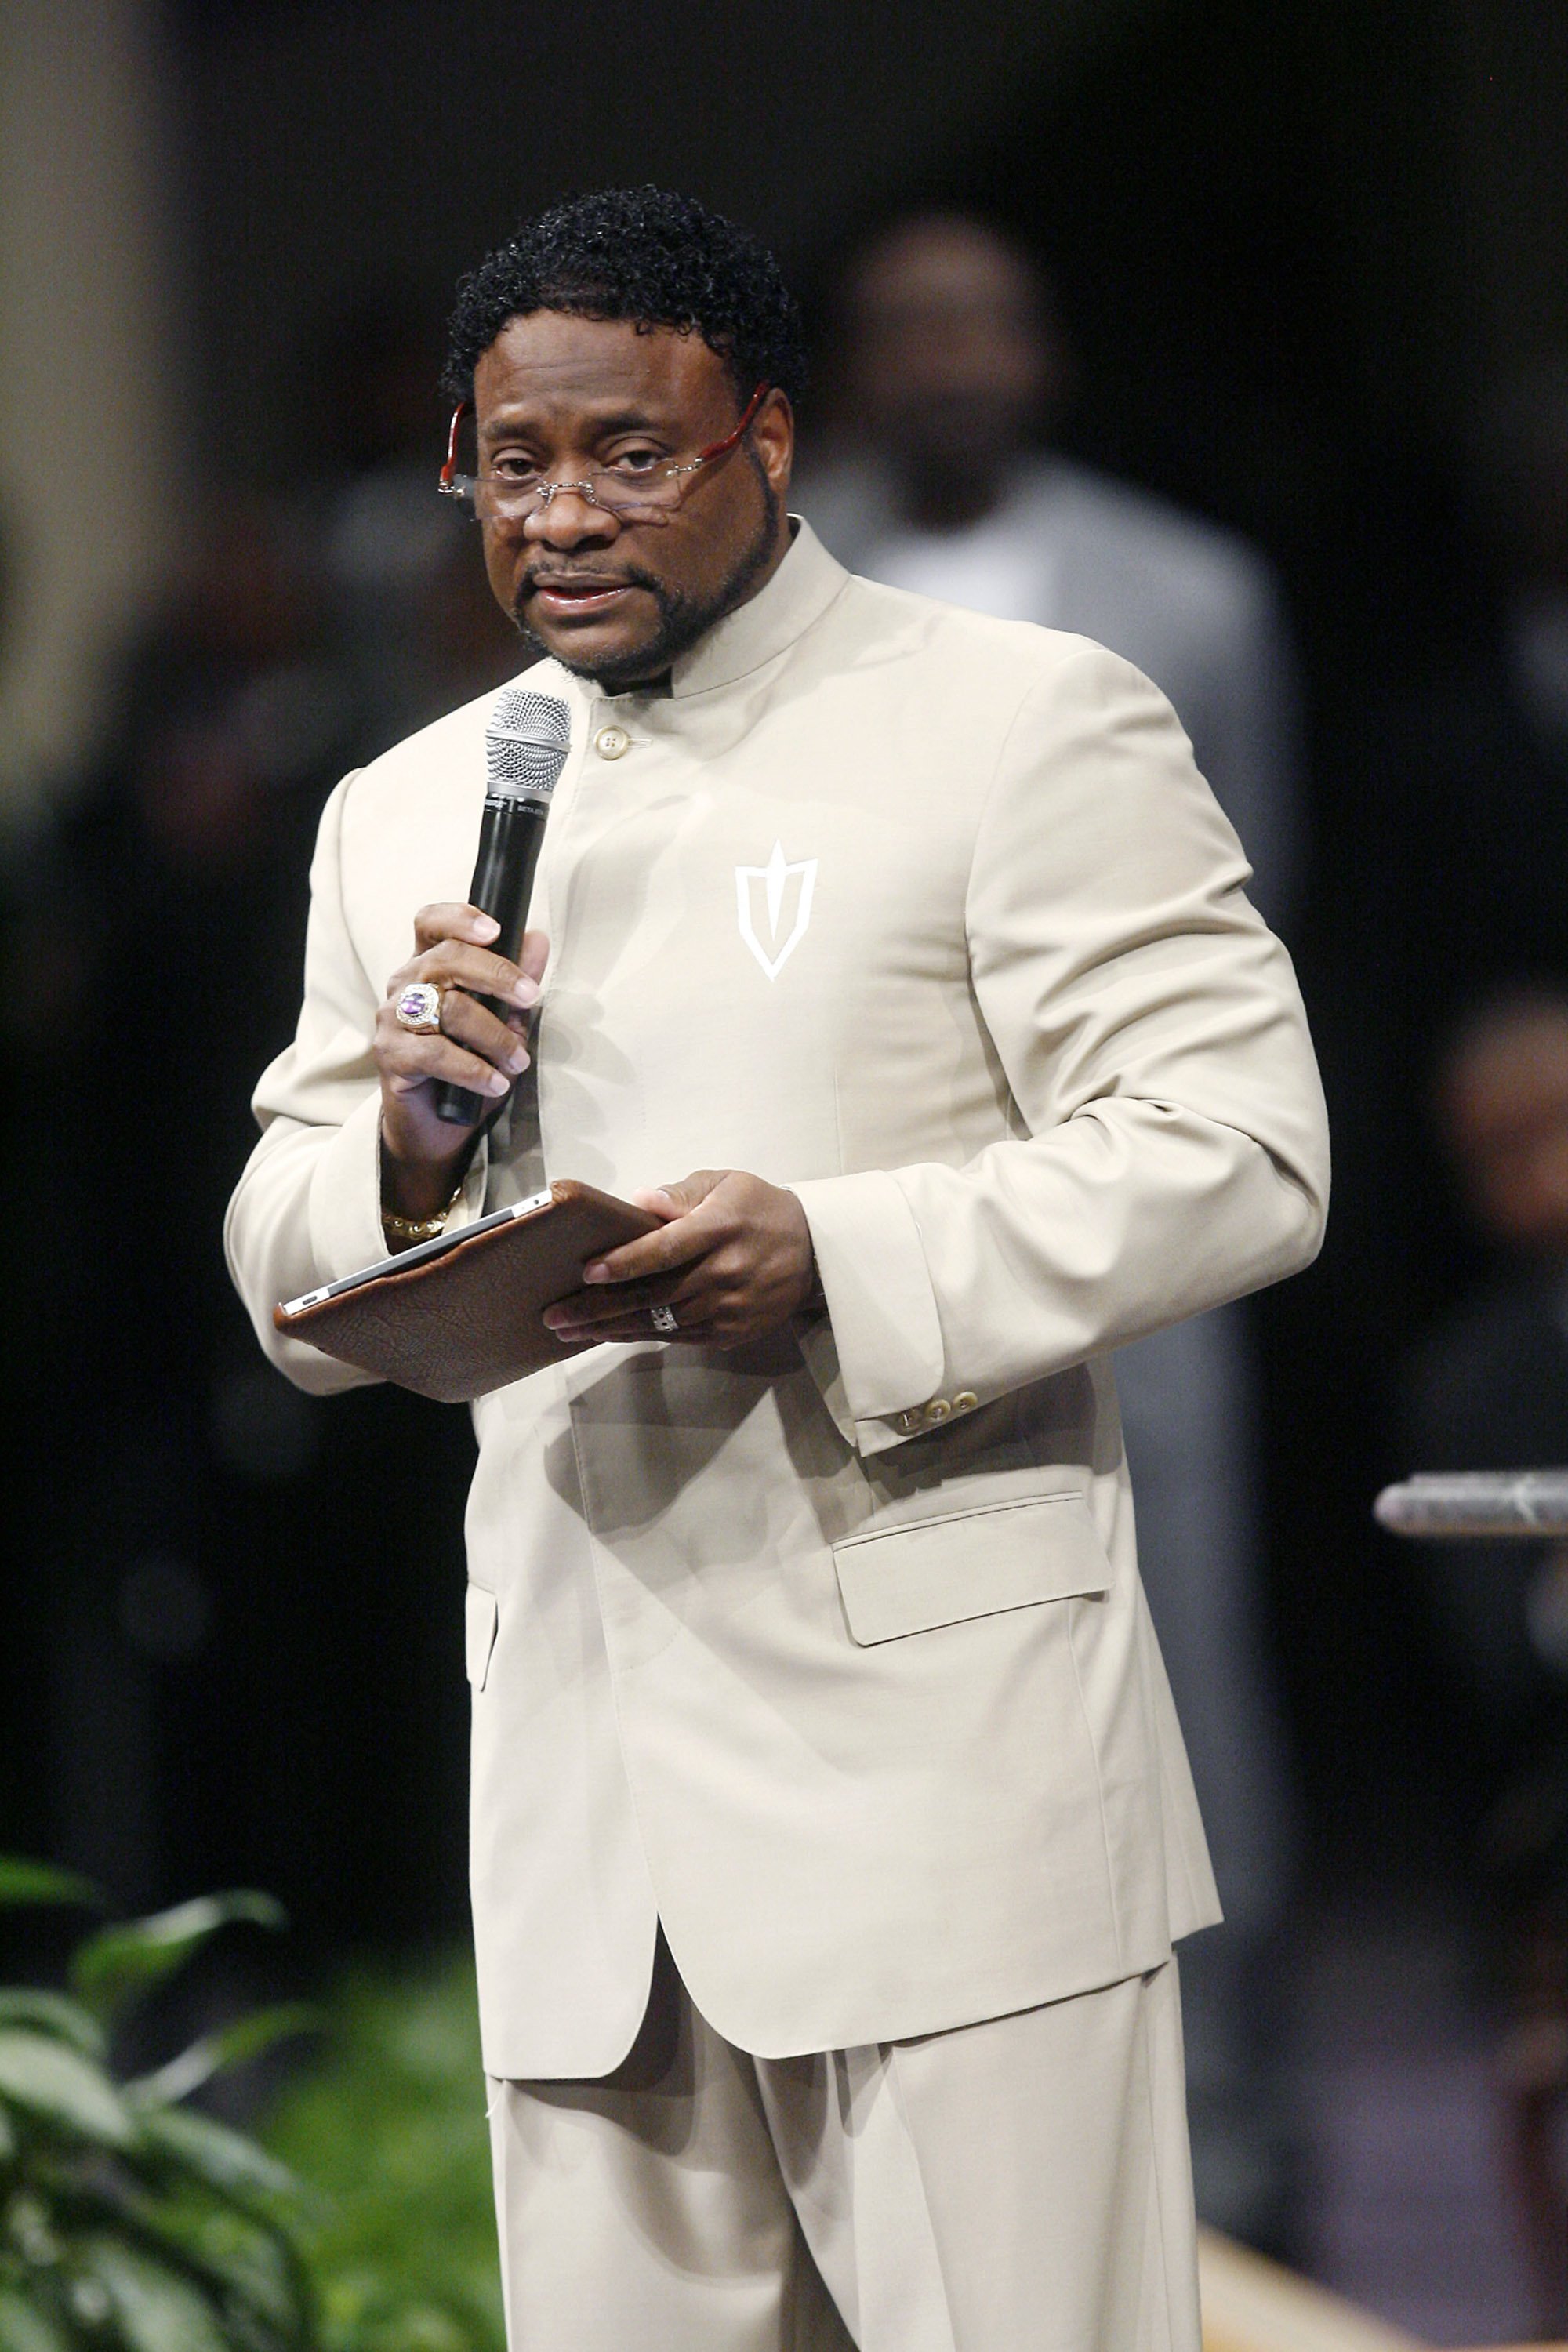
{"points": [[190, 1655], [166, 881], [948, 367], [936, 476], [169, 1607], [406, 590], [1488, 1390]]}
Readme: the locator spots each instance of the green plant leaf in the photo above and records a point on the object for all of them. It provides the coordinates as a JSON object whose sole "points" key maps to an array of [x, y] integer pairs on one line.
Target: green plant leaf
{"points": [[214, 2154], [257, 2268], [124, 1963], [23, 1882], [156, 2309], [51, 2013], [62, 2089], [26, 2227], [27, 2326], [263, 2273], [248, 2037], [248, 2263]]}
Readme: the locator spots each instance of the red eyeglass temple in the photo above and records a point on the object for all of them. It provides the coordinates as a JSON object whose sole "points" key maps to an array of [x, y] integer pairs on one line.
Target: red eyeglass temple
{"points": [[714, 448], [717, 448]]}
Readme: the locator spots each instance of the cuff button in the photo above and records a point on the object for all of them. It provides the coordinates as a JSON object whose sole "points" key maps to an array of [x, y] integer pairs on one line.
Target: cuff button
{"points": [[937, 1411], [965, 1400]]}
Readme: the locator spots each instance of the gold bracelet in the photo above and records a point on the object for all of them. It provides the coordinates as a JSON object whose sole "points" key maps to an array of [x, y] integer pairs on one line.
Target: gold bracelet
{"points": [[419, 1229]]}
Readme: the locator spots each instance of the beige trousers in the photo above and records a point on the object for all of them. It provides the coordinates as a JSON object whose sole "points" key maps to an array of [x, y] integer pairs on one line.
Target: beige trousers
{"points": [[1017, 2185]]}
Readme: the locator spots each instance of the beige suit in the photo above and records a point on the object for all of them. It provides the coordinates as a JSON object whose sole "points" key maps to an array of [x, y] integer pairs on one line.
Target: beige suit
{"points": [[833, 1657]]}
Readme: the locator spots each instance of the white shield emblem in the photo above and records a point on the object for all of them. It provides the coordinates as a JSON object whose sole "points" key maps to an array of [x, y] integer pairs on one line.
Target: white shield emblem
{"points": [[780, 894]]}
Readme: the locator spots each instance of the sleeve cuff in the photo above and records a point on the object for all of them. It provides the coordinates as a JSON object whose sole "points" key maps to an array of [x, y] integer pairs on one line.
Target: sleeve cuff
{"points": [[879, 1358], [345, 1196]]}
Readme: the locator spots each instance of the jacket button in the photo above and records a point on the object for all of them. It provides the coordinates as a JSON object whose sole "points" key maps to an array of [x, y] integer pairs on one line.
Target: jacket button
{"points": [[912, 1420], [612, 742], [965, 1400], [938, 1410]]}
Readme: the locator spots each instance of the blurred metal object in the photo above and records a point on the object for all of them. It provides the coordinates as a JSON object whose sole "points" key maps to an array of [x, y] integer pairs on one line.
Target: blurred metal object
{"points": [[1526, 1503]]}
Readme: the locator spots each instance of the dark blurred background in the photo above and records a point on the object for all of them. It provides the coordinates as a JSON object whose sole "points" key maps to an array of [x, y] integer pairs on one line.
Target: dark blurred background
{"points": [[1309, 271]]}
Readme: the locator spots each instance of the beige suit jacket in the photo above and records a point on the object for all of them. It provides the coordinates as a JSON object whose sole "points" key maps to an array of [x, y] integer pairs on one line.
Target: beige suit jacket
{"points": [[833, 1656]]}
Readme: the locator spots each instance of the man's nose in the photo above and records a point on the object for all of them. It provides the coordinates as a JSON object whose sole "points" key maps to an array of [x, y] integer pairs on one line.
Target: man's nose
{"points": [[570, 520]]}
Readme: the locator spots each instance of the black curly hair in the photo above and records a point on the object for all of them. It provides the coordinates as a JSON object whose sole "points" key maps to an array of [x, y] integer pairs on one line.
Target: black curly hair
{"points": [[645, 255]]}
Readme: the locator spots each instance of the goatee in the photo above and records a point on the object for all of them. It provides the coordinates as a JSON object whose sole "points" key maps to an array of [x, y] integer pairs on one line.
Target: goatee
{"points": [[683, 620]]}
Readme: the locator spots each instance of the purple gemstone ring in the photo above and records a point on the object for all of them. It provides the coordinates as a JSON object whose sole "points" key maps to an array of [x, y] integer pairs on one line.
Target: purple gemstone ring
{"points": [[419, 1009]]}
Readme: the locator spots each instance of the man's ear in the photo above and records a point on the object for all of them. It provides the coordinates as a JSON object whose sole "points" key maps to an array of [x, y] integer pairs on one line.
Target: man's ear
{"points": [[773, 438]]}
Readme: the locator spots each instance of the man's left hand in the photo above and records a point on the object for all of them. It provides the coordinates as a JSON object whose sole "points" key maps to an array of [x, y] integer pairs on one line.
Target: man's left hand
{"points": [[731, 1262]]}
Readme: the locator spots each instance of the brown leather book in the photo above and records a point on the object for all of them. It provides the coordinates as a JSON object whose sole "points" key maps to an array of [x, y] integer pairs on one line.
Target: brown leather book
{"points": [[459, 1316]]}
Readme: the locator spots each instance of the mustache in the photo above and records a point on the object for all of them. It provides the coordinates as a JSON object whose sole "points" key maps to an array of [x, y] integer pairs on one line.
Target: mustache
{"points": [[562, 576]]}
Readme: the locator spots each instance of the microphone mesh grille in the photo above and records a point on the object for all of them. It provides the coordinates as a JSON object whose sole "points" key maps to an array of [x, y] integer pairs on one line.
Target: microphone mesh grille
{"points": [[526, 743]]}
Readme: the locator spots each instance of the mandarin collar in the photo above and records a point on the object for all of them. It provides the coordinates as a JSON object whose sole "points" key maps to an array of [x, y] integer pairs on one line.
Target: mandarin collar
{"points": [[768, 623]]}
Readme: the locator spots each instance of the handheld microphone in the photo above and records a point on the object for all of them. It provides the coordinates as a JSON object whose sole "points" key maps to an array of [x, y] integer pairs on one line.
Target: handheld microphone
{"points": [[526, 744]]}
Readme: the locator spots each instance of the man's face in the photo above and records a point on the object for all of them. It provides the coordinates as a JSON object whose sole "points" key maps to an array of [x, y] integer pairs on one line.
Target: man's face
{"points": [[617, 601], [1506, 1107], [949, 356]]}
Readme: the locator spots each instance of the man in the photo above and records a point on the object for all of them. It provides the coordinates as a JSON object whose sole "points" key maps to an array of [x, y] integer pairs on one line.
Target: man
{"points": [[809, 1634], [1489, 1390], [952, 364]]}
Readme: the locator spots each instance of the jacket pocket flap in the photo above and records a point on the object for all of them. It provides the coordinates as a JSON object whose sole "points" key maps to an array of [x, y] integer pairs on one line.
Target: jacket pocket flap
{"points": [[909, 1579], [480, 1619]]}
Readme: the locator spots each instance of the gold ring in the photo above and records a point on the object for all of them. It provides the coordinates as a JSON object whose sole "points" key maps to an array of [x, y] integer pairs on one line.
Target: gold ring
{"points": [[419, 1009]]}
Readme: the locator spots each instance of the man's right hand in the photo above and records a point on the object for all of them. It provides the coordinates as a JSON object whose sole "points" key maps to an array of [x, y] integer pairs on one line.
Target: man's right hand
{"points": [[422, 1157]]}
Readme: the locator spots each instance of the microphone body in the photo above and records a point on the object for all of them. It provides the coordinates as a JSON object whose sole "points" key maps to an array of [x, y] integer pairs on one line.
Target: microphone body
{"points": [[525, 751]]}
